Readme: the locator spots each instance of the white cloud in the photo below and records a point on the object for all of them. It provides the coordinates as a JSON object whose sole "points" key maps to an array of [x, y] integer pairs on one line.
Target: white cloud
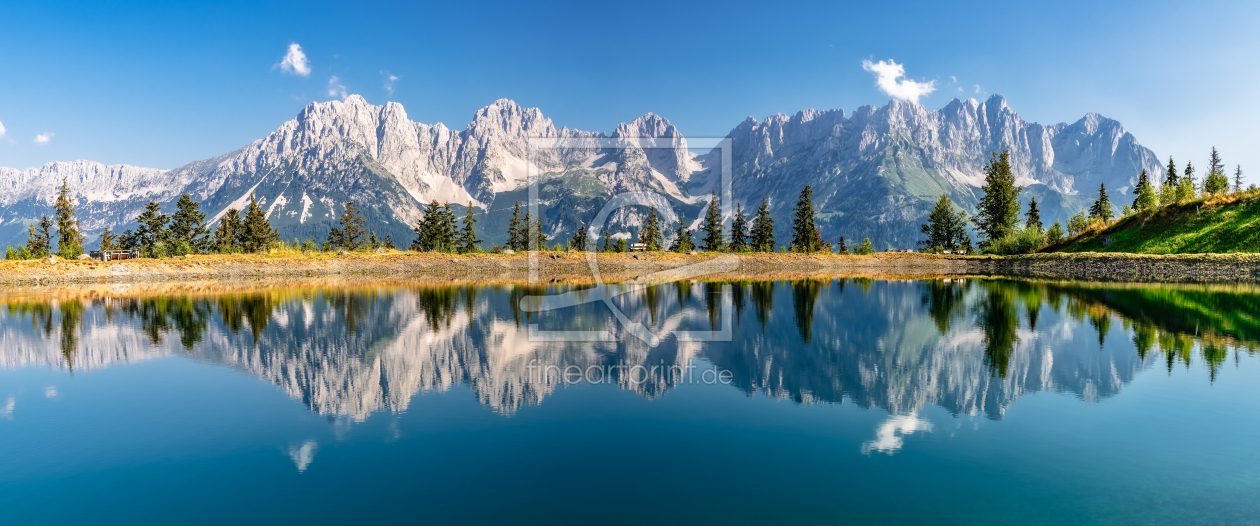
{"points": [[335, 89], [888, 436], [389, 81], [303, 455], [953, 79], [978, 90], [1, 129], [887, 75], [295, 61], [44, 138]]}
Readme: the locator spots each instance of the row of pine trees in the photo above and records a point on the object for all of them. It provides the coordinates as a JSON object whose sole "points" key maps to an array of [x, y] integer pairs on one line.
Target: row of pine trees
{"points": [[1003, 231]]}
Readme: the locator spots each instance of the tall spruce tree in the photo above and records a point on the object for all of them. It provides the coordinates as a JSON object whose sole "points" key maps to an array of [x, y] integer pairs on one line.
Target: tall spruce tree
{"points": [[1143, 188], [998, 211], [1102, 209], [1168, 189], [944, 229], [426, 228], [446, 229], [538, 238], [714, 241], [1216, 182], [804, 232], [350, 233], [258, 234], [651, 235], [227, 237], [683, 243], [763, 228], [516, 230], [468, 236], [151, 229], [187, 225], [69, 237], [739, 230], [1146, 198], [607, 240], [1187, 187], [1238, 187], [39, 242], [1032, 219], [841, 248]]}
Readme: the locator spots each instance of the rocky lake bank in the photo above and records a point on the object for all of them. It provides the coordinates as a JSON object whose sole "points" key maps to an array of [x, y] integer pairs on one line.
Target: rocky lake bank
{"points": [[558, 266]]}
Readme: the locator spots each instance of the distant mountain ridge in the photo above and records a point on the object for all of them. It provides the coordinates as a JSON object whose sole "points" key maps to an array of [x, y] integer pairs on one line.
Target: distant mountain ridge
{"points": [[874, 173]]}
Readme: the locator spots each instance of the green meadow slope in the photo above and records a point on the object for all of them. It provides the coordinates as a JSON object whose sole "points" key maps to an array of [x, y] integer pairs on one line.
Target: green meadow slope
{"points": [[1219, 225]]}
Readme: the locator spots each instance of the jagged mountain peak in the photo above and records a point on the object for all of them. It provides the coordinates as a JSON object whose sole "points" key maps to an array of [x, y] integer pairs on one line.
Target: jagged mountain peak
{"points": [[647, 125]]}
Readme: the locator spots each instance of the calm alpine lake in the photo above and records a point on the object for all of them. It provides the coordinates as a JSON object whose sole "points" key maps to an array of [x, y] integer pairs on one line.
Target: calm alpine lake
{"points": [[817, 401]]}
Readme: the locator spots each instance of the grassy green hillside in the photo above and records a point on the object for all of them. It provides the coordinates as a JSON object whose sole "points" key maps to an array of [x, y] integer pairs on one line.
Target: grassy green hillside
{"points": [[1220, 225]]}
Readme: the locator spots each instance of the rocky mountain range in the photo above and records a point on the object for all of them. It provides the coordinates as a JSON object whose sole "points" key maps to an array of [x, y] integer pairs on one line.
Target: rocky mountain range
{"points": [[875, 172]]}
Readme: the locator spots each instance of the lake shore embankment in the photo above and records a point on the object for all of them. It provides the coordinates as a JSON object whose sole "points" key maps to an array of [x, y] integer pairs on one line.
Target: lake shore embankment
{"points": [[558, 266]]}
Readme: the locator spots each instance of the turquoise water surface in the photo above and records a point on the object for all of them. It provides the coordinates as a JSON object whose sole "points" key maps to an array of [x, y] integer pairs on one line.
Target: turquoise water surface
{"points": [[976, 401]]}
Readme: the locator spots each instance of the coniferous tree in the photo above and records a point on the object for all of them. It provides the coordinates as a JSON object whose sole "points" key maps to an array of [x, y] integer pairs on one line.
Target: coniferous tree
{"points": [[372, 242], [683, 242], [1187, 187], [426, 228], [447, 229], [1102, 209], [227, 237], [69, 237], [714, 241], [538, 238], [865, 249], [607, 239], [1216, 182], [151, 229], [739, 230], [944, 229], [998, 211], [804, 231], [350, 233], [580, 239], [842, 249], [258, 234], [1146, 199], [651, 235], [107, 240], [127, 240], [516, 236], [763, 229], [468, 236], [1238, 179], [1032, 219], [187, 224], [389, 242], [1168, 190], [39, 242]]}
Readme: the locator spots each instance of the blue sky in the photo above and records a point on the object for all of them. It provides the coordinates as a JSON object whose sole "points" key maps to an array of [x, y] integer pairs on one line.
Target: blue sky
{"points": [[160, 85]]}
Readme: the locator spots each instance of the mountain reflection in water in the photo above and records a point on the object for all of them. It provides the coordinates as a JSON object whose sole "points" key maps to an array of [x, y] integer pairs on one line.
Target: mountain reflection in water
{"points": [[967, 345]]}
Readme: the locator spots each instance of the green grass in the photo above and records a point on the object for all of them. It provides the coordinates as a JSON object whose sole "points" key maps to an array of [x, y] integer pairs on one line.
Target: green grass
{"points": [[1217, 225]]}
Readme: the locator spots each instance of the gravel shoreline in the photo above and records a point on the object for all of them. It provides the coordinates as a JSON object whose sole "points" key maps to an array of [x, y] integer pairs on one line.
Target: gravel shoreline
{"points": [[555, 266]]}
